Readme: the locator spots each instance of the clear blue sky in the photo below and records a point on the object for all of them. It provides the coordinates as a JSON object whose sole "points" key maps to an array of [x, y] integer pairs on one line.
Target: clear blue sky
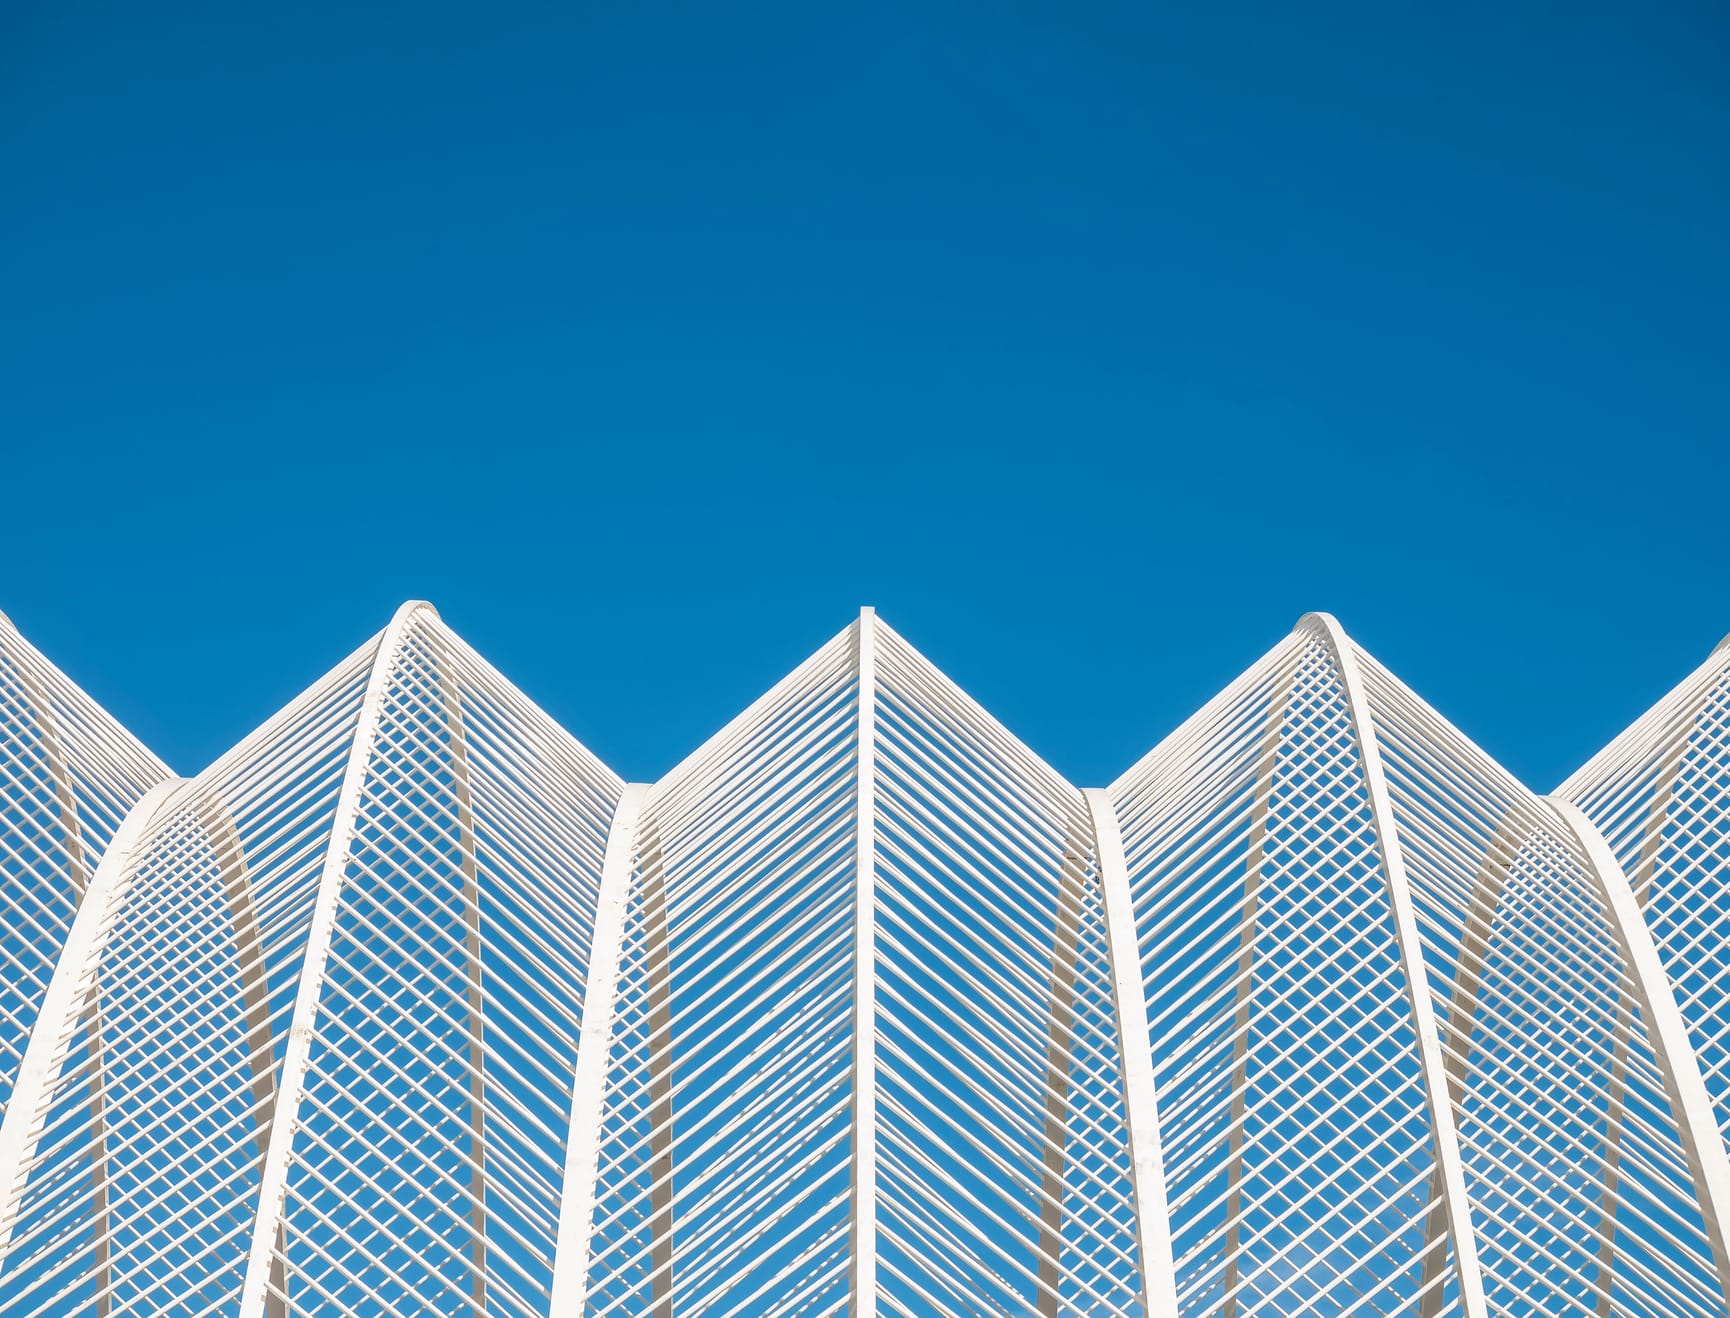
{"points": [[1092, 344]]}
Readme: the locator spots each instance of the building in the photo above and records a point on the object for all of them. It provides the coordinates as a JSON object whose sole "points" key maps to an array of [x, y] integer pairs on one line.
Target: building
{"points": [[408, 1004]]}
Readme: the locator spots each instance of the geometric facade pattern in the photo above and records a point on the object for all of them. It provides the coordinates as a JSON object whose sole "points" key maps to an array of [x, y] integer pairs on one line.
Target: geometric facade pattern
{"points": [[408, 1004]]}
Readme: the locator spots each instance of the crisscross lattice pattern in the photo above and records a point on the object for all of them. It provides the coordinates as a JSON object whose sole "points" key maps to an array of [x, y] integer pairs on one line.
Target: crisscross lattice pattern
{"points": [[1297, 1137], [68, 775], [409, 1005], [1576, 1166], [1660, 794]]}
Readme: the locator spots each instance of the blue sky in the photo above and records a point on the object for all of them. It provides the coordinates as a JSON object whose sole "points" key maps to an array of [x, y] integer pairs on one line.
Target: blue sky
{"points": [[1092, 344]]}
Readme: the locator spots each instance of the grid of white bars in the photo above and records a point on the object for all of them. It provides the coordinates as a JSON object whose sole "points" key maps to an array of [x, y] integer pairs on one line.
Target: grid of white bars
{"points": [[408, 1005]]}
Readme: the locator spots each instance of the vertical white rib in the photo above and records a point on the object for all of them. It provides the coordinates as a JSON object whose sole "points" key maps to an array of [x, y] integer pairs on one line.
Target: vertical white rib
{"points": [[1444, 1135], [1668, 1032], [864, 1231], [268, 1221], [69, 991], [570, 1286], [1140, 1104]]}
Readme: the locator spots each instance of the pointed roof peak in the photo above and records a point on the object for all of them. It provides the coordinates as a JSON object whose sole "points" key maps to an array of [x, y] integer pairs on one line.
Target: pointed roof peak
{"points": [[1318, 618], [412, 606]]}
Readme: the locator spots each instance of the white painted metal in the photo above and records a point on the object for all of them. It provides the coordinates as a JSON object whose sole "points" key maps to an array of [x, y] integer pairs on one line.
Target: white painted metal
{"points": [[1242, 1019], [268, 1221], [1316, 1010], [1547, 1066], [456, 740], [735, 1006], [657, 974], [863, 1276], [1444, 1136], [1468, 980], [69, 998], [42, 688], [1059, 1048], [1140, 1100], [1689, 1101], [69, 773], [59, 771], [1659, 795], [570, 1284], [229, 852]]}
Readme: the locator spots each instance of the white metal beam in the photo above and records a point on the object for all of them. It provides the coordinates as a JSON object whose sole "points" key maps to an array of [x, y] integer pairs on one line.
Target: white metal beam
{"points": [[1670, 761], [570, 1285], [1140, 1102], [71, 990], [1690, 1103], [78, 876], [1445, 1143], [269, 1221], [863, 1277], [1670, 729]]}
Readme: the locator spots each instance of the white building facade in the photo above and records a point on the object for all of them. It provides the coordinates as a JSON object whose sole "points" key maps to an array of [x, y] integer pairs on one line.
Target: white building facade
{"points": [[408, 1004]]}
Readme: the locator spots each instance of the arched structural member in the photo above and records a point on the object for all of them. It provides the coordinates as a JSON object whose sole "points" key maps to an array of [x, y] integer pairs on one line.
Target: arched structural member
{"points": [[1670, 762], [1445, 1142], [1690, 1103], [115, 870], [570, 1286], [268, 1223], [78, 877], [71, 990], [1140, 1106]]}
